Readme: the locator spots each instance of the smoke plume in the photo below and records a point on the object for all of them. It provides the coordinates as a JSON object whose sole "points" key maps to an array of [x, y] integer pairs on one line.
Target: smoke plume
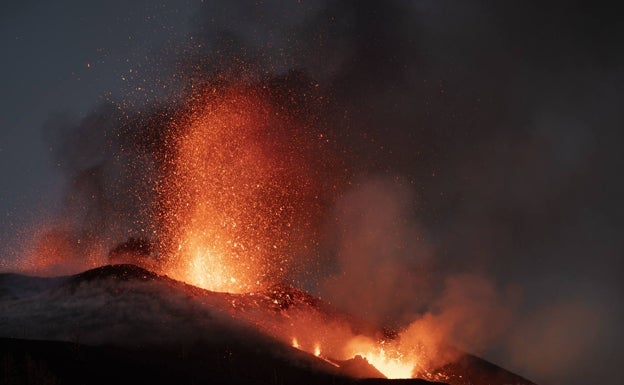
{"points": [[501, 123]]}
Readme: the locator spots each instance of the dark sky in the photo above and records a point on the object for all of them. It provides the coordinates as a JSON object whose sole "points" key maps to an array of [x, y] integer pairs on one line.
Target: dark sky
{"points": [[497, 126]]}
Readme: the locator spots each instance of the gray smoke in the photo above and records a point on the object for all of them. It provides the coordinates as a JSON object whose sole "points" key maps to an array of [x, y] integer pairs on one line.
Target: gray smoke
{"points": [[483, 144]]}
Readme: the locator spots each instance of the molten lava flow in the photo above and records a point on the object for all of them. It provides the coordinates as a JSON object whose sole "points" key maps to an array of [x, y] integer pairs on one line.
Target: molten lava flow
{"points": [[389, 362], [334, 344], [243, 182], [317, 349]]}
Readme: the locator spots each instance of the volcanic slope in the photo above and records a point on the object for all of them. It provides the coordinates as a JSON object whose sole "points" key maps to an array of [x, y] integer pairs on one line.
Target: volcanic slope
{"points": [[123, 324]]}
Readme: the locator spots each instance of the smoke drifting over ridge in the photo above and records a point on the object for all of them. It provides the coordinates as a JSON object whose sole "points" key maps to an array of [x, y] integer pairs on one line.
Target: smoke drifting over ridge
{"points": [[501, 122]]}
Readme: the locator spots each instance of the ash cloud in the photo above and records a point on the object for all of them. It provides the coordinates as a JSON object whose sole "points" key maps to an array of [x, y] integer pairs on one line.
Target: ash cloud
{"points": [[503, 123], [110, 162], [115, 160], [383, 267], [387, 270]]}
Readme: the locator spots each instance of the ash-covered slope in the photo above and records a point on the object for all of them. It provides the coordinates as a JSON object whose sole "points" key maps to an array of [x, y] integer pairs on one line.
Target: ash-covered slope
{"points": [[123, 316]]}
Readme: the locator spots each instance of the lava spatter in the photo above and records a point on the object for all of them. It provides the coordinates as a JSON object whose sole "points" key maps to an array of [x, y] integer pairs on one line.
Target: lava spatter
{"points": [[242, 190]]}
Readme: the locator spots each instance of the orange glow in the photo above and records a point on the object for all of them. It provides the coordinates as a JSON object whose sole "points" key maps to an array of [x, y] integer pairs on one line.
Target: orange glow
{"points": [[215, 167], [243, 185], [317, 349], [206, 270], [390, 362], [51, 250], [240, 192], [389, 367]]}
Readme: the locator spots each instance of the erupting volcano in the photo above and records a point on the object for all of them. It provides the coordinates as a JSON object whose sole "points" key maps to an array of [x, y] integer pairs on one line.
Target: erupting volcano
{"points": [[312, 191], [244, 176], [121, 323], [241, 191], [220, 200]]}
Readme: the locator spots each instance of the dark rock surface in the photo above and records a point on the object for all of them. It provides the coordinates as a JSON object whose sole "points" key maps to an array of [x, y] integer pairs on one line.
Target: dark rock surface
{"points": [[124, 324]]}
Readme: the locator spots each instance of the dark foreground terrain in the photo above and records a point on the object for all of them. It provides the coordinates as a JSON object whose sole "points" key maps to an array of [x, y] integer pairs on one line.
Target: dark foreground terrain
{"points": [[52, 362], [125, 325]]}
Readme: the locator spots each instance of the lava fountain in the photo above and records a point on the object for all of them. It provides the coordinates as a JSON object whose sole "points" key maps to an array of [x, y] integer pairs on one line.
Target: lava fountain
{"points": [[245, 174], [241, 192], [243, 187]]}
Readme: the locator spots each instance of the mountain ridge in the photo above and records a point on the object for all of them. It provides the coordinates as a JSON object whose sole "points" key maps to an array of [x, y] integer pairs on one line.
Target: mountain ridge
{"points": [[125, 307]]}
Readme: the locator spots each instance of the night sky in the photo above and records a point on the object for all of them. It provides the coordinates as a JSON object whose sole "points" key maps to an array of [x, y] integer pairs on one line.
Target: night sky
{"points": [[483, 138]]}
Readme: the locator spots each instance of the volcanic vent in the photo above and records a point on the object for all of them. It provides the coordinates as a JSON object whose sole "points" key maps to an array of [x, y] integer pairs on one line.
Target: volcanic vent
{"points": [[179, 243]]}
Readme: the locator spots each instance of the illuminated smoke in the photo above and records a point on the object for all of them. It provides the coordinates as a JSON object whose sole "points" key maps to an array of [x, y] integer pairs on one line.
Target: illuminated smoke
{"points": [[492, 132], [246, 188], [383, 255]]}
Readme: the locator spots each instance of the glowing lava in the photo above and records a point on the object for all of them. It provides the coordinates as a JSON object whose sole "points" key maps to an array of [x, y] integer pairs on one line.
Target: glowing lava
{"points": [[240, 193], [386, 356], [389, 367], [317, 350], [390, 362], [244, 183]]}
